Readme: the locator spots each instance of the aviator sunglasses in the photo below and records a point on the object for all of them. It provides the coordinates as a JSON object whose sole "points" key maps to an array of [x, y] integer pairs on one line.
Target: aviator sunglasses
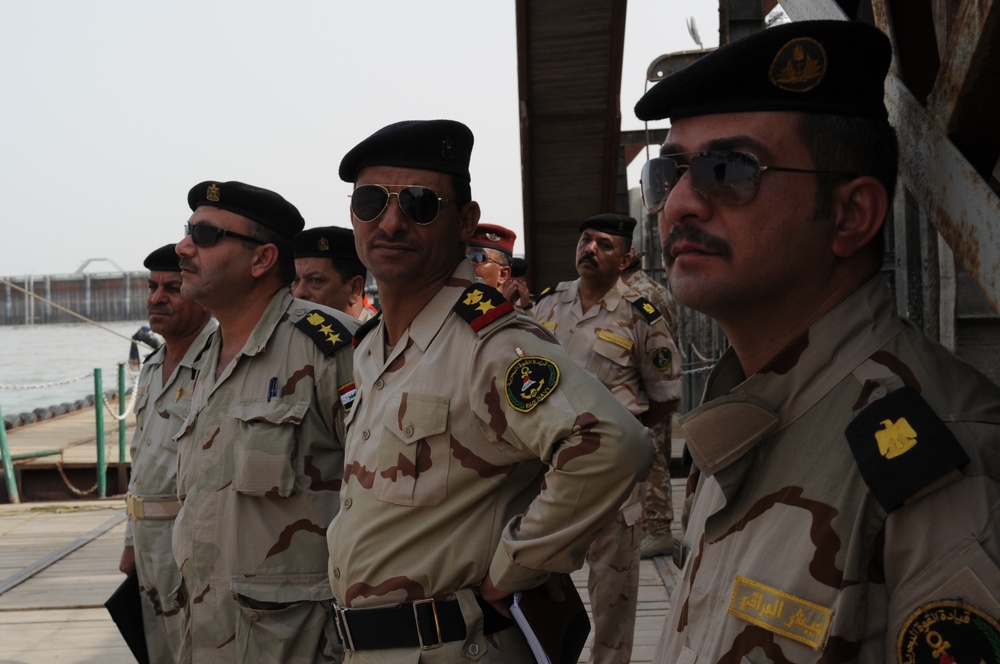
{"points": [[724, 177], [420, 204], [478, 257], [205, 235]]}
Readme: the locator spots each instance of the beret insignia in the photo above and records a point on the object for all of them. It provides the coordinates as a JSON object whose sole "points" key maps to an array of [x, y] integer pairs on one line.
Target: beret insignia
{"points": [[492, 237], [529, 380], [448, 149], [213, 193], [323, 244], [948, 631], [326, 331], [479, 305], [799, 66], [900, 445]]}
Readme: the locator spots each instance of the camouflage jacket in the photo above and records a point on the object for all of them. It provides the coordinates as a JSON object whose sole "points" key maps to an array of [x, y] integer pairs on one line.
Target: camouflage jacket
{"points": [[658, 294], [834, 516], [260, 462], [623, 341], [448, 439]]}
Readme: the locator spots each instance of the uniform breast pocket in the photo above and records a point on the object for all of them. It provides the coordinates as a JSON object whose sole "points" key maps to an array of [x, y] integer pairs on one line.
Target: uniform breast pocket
{"points": [[612, 353], [414, 452], [264, 457]]}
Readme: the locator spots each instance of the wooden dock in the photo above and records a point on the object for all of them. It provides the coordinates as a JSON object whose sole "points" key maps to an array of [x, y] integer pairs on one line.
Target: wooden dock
{"points": [[59, 563]]}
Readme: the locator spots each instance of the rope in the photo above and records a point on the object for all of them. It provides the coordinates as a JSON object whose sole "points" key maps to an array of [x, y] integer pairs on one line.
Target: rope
{"points": [[700, 356], [39, 386], [69, 485], [62, 308]]}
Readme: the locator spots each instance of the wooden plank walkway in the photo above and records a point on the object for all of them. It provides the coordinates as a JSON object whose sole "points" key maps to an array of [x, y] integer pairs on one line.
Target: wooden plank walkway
{"points": [[52, 607]]}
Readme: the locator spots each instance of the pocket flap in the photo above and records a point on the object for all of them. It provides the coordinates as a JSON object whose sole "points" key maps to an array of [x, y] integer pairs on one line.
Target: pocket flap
{"points": [[272, 412], [285, 588], [613, 346], [412, 417]]}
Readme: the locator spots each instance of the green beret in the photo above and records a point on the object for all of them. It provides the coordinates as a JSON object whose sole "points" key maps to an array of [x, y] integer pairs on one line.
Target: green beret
{"points": [[442, 146], [612, 224], [834, 67], [164, 259], [326, 242], [261, 205]]}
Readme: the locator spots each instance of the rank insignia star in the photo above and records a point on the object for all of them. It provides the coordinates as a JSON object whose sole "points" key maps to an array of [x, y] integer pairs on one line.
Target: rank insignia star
{"points": [[480, 304], [327, 333]]}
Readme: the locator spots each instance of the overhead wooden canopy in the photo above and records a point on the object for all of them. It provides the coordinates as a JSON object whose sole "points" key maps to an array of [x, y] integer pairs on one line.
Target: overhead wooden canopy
{"points": [[569, 76]]}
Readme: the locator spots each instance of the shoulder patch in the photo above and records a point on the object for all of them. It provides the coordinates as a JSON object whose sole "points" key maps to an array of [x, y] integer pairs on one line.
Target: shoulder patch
{"points": [[900, 445], [479, 305], [548, 290], [326, 331], [529, 380], [365, 328], [646, 308], [948, 631]]}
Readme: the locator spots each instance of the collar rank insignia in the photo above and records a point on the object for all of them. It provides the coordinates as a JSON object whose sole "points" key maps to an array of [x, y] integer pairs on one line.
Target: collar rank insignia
{"points": [[646, 308], [365, 328], [799, 66], [901, 445], [213, 193], [529, 380], [479, 305], [326, 331], [948, 631]]}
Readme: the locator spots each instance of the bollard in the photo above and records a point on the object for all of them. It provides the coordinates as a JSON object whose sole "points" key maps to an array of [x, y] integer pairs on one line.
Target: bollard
{"points": [[8, 465], [102, 480]]}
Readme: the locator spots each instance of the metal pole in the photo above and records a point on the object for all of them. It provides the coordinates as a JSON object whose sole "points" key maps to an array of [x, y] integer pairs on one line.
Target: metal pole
{"points": [[8, 466], [121, 412], [102, 480]]}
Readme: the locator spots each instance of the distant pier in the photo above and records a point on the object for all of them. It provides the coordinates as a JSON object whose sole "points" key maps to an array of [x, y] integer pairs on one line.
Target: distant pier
{"points": [[100, 296]]}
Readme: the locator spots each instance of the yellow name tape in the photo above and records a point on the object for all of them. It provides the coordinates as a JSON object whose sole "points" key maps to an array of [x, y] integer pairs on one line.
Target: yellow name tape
{"points": [[779, 612], [616, 339]]}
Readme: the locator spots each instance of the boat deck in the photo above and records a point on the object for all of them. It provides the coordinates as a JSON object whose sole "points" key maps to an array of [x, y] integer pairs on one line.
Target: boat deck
{"points": [[59, 563]]}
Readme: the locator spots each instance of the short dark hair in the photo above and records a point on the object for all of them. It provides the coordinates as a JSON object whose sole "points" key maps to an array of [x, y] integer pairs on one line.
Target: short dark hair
{"points": [[349, 268], [848, 144], [286, 250]]}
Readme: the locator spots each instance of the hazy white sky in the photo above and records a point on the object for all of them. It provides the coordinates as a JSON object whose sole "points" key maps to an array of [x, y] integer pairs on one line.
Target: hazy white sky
{"points": [[111, 110]]}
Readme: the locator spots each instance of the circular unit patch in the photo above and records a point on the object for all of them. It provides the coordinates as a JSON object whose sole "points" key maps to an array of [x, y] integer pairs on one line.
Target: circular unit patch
{"points": [[663, 359], [529, 380], [949, 632]]}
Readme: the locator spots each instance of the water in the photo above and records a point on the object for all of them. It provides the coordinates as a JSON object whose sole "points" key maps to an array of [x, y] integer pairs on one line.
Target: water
{"points": [[44, 354]]}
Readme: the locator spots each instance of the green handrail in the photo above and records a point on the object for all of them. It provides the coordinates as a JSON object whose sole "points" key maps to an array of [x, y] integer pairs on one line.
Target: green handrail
{"points": [[8, 465], [121, 412], [102, 480]]}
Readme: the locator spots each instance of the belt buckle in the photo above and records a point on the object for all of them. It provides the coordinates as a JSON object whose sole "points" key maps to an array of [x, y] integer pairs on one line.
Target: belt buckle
{"points": [[437, 624], [133, 506], [343, 629]]}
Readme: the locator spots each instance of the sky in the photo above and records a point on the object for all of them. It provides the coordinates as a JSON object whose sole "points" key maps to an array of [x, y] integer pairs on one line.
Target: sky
{"points": [[111, 110]]}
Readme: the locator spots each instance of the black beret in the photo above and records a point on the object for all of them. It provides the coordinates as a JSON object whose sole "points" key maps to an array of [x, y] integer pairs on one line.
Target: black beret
{"points": [[518, 267], [164, 259], [326, 242], [612, 224], [835, 67], [265, 207], [443, 146]]}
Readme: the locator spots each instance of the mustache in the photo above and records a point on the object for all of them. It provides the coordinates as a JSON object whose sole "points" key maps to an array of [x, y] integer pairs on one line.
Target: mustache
{"points": [[185, 263], [160, 310], [695, 235], [381, 236], [589, 258]]}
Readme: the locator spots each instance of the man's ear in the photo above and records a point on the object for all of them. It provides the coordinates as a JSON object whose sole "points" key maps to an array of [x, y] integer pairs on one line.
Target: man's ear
{"points": [[264, 259], [356, 284], [470, 219], [859, 210]]}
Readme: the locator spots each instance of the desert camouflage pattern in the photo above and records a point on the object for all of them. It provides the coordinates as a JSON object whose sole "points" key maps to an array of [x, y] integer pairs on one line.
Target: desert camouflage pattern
{"points": [[446, 481], [790, 557], [624, 361], [160, 409], [260, 463], [658, 509]]}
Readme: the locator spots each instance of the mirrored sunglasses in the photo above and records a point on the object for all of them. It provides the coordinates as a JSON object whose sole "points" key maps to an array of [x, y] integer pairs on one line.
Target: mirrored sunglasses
{"points": [[725, 177], [420, 204], [478, 257], [205, 235]]}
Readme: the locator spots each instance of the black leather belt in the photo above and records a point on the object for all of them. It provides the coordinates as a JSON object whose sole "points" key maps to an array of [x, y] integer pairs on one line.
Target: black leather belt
{"points": [[426, 624]]}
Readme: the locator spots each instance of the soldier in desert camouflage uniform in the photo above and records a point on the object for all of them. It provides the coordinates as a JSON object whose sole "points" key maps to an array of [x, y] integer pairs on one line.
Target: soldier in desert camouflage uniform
{"points": [[162, 399], [847, 474], [480, 459], [260, 458], [621, 339], [657, 509]]}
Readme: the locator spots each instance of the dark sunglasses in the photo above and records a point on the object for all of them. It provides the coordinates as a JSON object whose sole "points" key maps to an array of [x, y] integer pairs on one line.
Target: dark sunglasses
{"points": [[725, 177], [204, 235], [420, 204]]}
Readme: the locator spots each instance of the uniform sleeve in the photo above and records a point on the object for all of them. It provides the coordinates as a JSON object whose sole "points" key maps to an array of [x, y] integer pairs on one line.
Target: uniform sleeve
{"points": [[659, 363], [540, 401]]}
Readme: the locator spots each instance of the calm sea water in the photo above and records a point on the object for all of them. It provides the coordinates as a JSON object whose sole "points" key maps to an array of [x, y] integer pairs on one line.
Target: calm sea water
{"points": [[43, 354]]}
